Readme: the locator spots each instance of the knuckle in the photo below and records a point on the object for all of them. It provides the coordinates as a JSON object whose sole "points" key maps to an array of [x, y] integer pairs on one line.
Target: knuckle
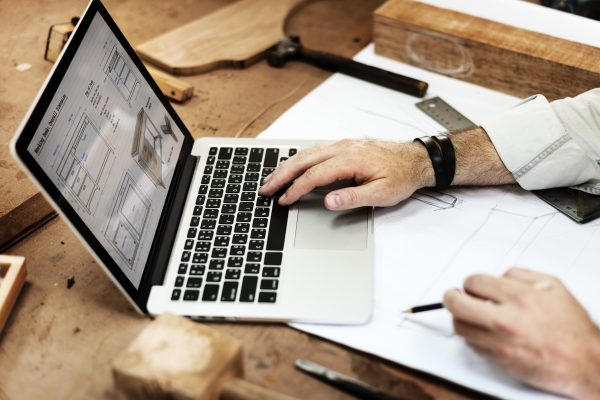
{"points": [[472, 282], [312, 173]]}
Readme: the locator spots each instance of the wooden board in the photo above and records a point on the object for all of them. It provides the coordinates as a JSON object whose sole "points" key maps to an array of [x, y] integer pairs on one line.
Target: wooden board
{"points": [[12, 278], [234, 36], [491, 54]]}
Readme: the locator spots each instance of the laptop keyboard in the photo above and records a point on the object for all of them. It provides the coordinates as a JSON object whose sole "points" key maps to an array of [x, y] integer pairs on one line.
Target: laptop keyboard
{"points": [[235, 239]]}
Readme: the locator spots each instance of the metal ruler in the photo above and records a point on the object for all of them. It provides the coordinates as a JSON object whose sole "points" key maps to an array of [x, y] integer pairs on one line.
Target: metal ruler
{"points": [[581, 207], [444, 114]]}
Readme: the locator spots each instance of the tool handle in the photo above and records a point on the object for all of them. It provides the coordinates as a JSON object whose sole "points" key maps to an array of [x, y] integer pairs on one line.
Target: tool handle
{"points": [[378, 76], [239, 389]]}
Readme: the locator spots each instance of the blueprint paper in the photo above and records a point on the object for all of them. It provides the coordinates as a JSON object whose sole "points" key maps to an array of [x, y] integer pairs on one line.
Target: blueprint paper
{"points": [[474, 230]]}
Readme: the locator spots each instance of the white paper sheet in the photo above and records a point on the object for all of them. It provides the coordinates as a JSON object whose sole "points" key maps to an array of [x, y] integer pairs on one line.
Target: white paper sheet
{"points": [[430, 243]]}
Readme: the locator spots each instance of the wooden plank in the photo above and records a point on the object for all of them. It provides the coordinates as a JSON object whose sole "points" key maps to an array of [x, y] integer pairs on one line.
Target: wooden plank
{"points": [[12, 278], [234, 36], [23, 220], [509, 59]]}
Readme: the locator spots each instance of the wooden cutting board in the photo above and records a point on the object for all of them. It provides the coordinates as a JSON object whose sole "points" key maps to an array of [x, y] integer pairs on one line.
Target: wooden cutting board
{"points": [[233, 36]]}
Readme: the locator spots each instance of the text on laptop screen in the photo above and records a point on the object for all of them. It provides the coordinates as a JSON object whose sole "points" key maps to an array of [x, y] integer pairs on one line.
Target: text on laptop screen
{"points": [[110, 146]]}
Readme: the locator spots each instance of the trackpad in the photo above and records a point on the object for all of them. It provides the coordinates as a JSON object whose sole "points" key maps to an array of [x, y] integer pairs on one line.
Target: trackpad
{"points": [[319, 228]]}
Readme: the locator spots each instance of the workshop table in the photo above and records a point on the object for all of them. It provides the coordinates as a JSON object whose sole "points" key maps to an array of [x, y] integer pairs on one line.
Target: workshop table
{"points": [[59, 342]]}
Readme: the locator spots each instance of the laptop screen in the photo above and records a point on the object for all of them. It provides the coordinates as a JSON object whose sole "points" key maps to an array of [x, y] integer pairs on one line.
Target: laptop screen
{"points": [[110, 146]]}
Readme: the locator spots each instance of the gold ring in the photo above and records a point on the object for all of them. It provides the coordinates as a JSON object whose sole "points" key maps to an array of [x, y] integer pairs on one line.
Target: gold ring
{"points": [[543, 285]]}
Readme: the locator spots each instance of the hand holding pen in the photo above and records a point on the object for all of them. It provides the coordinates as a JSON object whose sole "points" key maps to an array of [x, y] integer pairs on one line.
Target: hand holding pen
{"points": [[530, 325]]}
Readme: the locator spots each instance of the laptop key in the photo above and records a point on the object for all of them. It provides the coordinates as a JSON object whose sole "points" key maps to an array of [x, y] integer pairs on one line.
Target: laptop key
{"points": [[244, 217], [235, 262], [200, 199], [226, 219], [219, 252], [241, 151], [292, 152], [260, 222], [271, 157], [210, 292], [208, 224], [194, 282], [261, 212], [218, 184], [210, 160], [269, 284], [229, 208], [200, 258], [192, 233], [235, 178], [197, 269], [212, 276], [256, 245], [252, 268], [205, 235], [248, 196], [237, 250], [222, 164], [250, 186], [231, 198], [179, 281], [239, 238], [229, 292], [258, 233], [256, 155], [189, 244], [252, 176], [185, 256], [195, 221], [182, 269], [277, 227], [234, 188], [176, 294], [222, 241], [211, 213], [239, 160], [263, 201], [246, 206], [205, 179], [267, 297], [212, 151], [225, 153], [267, 171], [213, 203], [273, 258], [270, 272], [203, 246], [254, 256], [253, 167], [248, 290], [198, 209], [216, 264], [224, 230], [232, 274], [237, 169], [215, 193], [208, 170], [191, 295], [203, 189], [220, 174], [242, 228]]}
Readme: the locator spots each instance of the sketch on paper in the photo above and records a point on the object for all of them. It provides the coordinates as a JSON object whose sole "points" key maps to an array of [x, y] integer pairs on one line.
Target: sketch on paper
{"points": [[85, 164], [127, 221], [146, 148], [438, 200], [118, 69]]}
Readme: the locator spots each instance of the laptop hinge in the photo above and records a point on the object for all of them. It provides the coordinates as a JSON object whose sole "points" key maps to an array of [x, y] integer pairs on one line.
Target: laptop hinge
{"points": [[166, 234]]}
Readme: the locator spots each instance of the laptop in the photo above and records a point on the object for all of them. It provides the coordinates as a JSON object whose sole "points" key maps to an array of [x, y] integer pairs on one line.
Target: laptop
{"points": [[177, 223]]}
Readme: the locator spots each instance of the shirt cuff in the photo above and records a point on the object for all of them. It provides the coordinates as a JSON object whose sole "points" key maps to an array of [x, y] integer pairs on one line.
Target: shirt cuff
{"points": [[537, 149]]}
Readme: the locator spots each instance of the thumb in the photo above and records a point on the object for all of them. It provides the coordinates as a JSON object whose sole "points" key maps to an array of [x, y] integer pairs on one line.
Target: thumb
{"points": [[373, 193]]}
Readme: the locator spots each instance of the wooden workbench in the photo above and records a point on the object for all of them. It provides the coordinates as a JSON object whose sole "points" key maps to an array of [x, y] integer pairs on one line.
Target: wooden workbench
{"points": [[59, 342]]}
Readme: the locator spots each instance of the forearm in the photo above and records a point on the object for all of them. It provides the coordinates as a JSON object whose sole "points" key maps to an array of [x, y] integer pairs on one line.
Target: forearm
{"points": [[477, 162]]}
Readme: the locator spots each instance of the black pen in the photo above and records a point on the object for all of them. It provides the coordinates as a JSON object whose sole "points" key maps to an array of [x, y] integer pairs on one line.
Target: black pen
{"points": [[343, 382], [423, 308]]}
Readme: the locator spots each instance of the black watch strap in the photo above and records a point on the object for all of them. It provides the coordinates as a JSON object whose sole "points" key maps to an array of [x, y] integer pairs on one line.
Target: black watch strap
{"points": [[443, 158]]}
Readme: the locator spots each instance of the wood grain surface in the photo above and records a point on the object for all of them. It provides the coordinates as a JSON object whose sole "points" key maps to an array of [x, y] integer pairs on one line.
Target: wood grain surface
{"points": [[491, 54], [233, 36], [59, 342]]}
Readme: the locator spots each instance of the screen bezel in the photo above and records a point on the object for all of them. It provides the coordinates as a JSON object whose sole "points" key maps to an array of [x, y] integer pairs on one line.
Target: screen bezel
{"points": [[25, 136]]}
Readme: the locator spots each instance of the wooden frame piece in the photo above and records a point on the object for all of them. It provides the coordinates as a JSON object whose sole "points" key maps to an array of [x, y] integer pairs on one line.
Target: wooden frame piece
{"points": [[491, 54], [13, 273]]}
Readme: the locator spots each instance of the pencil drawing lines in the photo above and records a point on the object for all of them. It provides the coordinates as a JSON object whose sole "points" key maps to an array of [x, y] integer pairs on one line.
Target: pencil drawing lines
{"points": [[438, 200], [146, 148], [118, 69]]}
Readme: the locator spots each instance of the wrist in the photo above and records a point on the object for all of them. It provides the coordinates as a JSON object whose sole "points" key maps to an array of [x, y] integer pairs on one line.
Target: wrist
{"points": [[589, 385], [423, 168]]}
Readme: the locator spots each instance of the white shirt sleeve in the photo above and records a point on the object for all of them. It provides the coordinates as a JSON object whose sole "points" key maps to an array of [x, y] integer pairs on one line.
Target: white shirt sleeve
{"points": [[547, 145]]}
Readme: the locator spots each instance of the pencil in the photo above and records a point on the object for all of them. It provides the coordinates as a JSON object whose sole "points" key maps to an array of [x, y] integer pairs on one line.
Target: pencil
{"points": [[423, 308]]}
